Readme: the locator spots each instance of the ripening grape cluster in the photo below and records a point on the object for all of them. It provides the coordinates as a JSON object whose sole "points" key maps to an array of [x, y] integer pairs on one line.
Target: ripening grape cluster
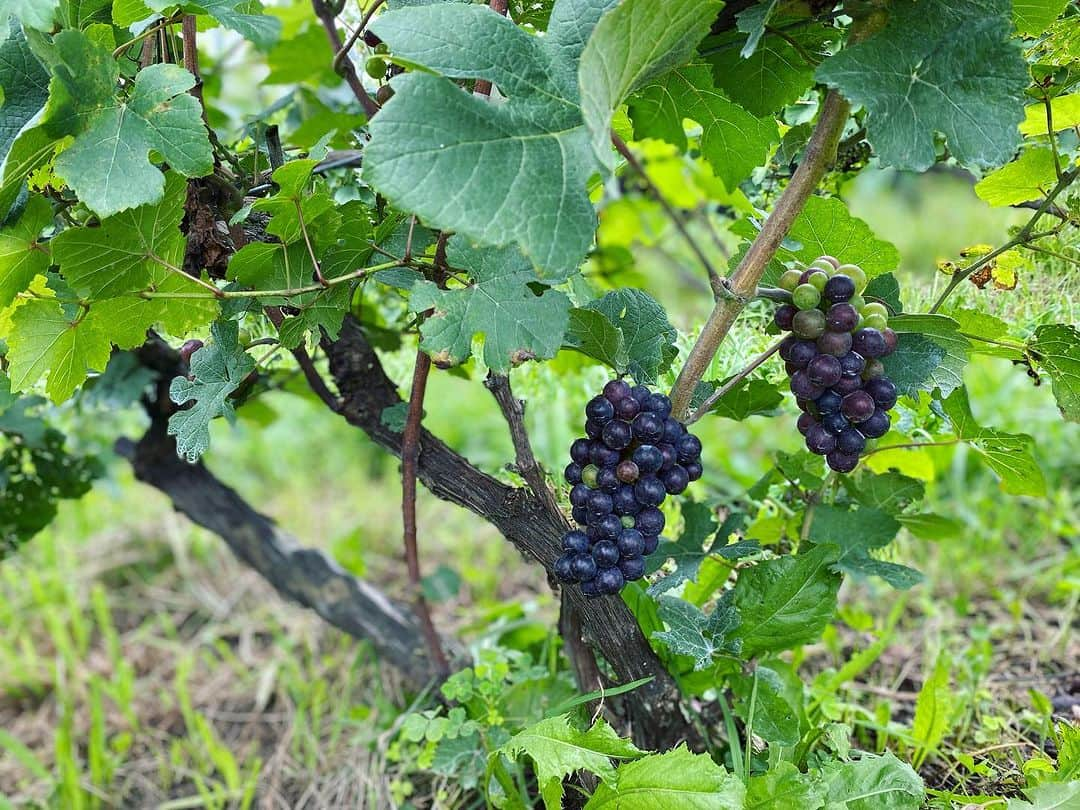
{"points": [[833, 356], [634, 454]]}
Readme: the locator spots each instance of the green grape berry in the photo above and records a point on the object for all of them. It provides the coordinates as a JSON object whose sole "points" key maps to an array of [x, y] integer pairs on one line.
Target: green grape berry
{"points": [[874, 308], [806, 296], [818, 278], [375, 67], [628, 521], [875, 321], [855, 273], [809, 324], [857, 301], [790, 280], [588, 476], [822, 265], [832, 261]]}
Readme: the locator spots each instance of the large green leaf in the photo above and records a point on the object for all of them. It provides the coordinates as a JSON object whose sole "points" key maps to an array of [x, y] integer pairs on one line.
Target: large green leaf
{"points": [[858, 532], [1058, 349], [689, 550], [36, 14], [749, 397], [593, 334], [1007, 454], [673, 780], [873, 783], [24, 86], [635, 41], [930, 353], [21, 255], [517, 324], [1033, 17], [648, 336], [513, 172], [557, 749], [785, 787], [218, 369], [954, 70], [732, 140], [787, 601], [108, 164], [245, 17]]}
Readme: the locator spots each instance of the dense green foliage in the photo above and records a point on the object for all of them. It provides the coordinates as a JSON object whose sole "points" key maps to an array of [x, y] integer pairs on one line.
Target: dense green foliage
{"points": [[503, 227]]}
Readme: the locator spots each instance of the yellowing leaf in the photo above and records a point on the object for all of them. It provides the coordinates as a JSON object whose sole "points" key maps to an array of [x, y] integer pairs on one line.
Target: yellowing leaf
{"points": [[1064, 109], [1027, 178]]}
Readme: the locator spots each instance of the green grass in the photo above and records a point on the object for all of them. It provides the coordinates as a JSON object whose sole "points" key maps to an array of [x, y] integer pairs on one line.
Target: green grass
{"points": [[141, 665]]}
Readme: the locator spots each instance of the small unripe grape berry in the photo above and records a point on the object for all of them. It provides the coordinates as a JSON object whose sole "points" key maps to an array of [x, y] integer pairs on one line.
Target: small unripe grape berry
{"points": [[789, 280], [816, 278], [588, 475], [855, 273], [628, 521], [874, 308], [809, 324], [832, 261], [375, 67], [874, 369], [806, 296], [875, 321]]}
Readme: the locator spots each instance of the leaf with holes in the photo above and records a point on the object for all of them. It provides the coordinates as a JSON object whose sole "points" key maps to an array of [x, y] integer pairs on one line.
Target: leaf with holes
{"points": [[1058, 348]]}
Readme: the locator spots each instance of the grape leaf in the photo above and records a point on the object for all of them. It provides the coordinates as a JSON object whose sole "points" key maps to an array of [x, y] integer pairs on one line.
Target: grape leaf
{"points": [[885, 288], [122, 253], [1049, 796], [1065, 111], [954, 71], [517, 324], [24, 86], [858, 532], [30, 149], [245, 17], [1007, 454], [787, 601], [748, 398], [635, 41], [21, 256], [592, 334], [689, 550], [930, 353], [873, 783], [732, 140], [46, 342], [785, 786], [975, 324], [218, 369], [648, 336], [108, 163], [890, 492], [752, 21], [673, 779], [36, 14], [485, 170], [1032, 17], [1058, 350], [690, 632], [557, 749], [1029, 177]]}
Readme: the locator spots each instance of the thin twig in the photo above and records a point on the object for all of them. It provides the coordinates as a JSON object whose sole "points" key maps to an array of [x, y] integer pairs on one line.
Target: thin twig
{"points": [[410, 452], [172, 268], [742, 285], [150, 295], [1054, 253], [719, 393], [913, 445], [359, 32], [148, 32], [672, 214], [310, 248], [525, 463], [307, 366], [328, 19], [1050, 136]]}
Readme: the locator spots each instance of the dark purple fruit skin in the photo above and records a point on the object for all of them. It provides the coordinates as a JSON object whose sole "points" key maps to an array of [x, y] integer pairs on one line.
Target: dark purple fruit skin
{"points": [[583, 566], [627, 408], [803, 387], [835, 423], [606, 480], [852, 364], [829, 402], [593, 429], [676, 480], [603, 456], [847, 385], [838, 288], [650, 491], [882, 390], [806, 421], [616, 390], [824, 370], [688, 448], [605, 553], [694, 470], [640, 393], [851, 441], [580, 514], [632, 568], [617, 434], [600, 409], [609, 581], [802, 352], [651, 542], [608, 527], [842, 462], [579, 450], [572, 473], [784, 315], [589, 587], [819, 440], [658, 404], [627, 471], [579, 495], [842, 317], [876, 426], [858, 406], [650, 521], [631, 543], [648, 458], [648, 427], [891, 339], [672, 431], [575, 541], [564, 569], [869, 342], [835, 343], [623, 502], [599, 503]]}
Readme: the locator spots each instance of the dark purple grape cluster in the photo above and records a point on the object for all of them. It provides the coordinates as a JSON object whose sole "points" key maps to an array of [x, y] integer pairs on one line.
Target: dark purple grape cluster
{"points": [[633, 455], [833, 356]]}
